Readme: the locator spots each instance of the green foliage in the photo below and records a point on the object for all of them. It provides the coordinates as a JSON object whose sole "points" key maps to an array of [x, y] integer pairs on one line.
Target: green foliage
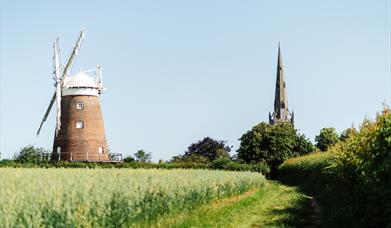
{"points": [[265, 142], [111, 198], [232, 165], [303, 145], [272, 144], [30, 154], [208, 148], [353, 178], [372, 148], [347, 133], [142, 156], [220, 163], [129, 159], [326, 138], [192, 158], [227, 164]]}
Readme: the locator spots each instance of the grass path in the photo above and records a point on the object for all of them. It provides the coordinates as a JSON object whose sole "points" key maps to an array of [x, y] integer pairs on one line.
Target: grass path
{"points": [[274, 205]]}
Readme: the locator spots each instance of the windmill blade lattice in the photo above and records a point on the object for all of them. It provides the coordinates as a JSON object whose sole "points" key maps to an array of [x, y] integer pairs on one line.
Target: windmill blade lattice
{"points": [[59, 75]]}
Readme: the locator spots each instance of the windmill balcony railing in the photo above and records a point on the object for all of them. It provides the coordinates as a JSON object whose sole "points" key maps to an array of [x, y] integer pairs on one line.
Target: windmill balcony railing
{"points": [[82, 157]]}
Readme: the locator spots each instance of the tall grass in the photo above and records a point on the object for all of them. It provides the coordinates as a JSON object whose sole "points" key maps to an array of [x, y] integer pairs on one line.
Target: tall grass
{"points": [[110, 197]]}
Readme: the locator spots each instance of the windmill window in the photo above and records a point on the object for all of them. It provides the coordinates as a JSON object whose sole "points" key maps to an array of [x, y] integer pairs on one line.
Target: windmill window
{"points": [[58, 149], [79, 124], [100, 150], [79, 105]]}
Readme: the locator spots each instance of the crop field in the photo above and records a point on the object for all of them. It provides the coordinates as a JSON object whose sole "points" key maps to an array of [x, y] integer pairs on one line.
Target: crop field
{"points": [[111, 197]]}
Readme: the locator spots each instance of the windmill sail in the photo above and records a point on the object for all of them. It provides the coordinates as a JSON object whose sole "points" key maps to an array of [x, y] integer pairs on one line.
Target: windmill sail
{"points": [[98, 73], [59, 75], [72, 57], [47, 112]]}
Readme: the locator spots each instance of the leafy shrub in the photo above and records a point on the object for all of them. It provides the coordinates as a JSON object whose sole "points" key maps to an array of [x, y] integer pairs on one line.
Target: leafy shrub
{"points": [[129, 159], [192, 158], [30, 154], [353, 178]]}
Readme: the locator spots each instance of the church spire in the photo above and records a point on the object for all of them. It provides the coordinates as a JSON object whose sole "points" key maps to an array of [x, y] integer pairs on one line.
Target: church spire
{"points": [[281, 113]]}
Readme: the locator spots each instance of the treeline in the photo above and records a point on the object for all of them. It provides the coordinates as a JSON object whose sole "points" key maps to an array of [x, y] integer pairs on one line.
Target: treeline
{"points": [[352, 179], [262, 148]]}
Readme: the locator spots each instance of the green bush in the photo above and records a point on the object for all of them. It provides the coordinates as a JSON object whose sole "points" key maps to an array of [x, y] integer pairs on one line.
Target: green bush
{"points": [[129, 159], [220, 163], [352, 179], [30, 154]]}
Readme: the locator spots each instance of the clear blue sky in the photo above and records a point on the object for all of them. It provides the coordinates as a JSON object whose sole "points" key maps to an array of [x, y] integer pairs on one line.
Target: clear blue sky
{"points": [[177, 71]]}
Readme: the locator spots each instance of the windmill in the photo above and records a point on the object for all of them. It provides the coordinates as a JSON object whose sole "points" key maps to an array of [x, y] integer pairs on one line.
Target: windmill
{"points": [[79, 133]]}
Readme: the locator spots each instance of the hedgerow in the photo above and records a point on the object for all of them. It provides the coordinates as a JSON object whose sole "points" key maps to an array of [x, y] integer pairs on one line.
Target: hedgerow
{"points": [[353, 178], [218, 164]]}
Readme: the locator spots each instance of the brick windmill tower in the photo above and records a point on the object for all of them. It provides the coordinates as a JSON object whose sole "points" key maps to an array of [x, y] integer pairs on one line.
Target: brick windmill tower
{"points": [[79, 134]]}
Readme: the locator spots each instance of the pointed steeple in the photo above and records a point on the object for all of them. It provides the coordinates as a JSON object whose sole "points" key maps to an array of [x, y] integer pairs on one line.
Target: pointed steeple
{"points": [[281, 112]]}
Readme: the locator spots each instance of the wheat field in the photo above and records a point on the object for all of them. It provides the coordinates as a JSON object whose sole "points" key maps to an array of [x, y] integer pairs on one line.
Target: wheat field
{"points": [[110, 197]]}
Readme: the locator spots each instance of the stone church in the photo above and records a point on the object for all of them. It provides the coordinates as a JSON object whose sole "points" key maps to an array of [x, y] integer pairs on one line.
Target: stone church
{"points": [[281, 113]]}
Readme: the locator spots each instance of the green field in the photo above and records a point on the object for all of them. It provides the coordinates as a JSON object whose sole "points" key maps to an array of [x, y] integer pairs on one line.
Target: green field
{"points": [[147, 198], [110, 197]]}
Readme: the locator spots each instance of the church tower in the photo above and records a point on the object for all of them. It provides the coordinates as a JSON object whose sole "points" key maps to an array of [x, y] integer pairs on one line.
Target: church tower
{"points": [[281, 113]]}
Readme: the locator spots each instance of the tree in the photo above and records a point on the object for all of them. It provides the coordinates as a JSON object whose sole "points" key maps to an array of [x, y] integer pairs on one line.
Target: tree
{"points": [[272, 144], [208, 148], [326, 138], [267, 143], [30, 154], [303, 145], [142, 156], [129, 159]]}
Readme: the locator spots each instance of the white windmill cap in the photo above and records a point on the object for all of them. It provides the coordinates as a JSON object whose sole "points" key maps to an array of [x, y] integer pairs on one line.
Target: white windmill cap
{"points": [[80, 79], [80, 84]]}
